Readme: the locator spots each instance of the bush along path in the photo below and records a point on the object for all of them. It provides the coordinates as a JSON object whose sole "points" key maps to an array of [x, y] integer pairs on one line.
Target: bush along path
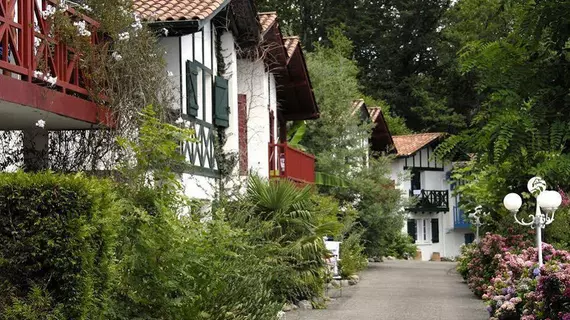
{"points": [[504, 272]]}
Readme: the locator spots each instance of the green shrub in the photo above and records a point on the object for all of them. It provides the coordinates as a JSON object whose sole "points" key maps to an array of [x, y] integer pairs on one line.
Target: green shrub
{"points": [[288, 230], [182, 269], [57, 233], [352, 255], [402, 246], [467, 254], [37, 305]]}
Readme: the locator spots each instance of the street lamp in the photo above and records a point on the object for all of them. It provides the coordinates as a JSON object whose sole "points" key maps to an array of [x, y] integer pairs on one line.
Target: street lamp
{"points": [[477, 215], [547, 200]]}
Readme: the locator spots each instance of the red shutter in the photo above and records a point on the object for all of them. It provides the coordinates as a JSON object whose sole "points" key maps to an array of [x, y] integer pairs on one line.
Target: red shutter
{"points": [[271, 126], [242, 133]]}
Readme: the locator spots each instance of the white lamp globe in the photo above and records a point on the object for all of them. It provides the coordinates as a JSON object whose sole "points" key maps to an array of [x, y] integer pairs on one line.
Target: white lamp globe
{"points": [[549, 200], [512, 202]]}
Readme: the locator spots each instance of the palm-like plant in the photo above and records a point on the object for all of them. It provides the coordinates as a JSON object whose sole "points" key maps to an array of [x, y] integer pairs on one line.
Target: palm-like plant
{"points": [[282, 215]]}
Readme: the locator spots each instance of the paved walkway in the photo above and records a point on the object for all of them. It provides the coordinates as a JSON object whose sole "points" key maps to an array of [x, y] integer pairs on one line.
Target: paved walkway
{"points": [[402, 290]]}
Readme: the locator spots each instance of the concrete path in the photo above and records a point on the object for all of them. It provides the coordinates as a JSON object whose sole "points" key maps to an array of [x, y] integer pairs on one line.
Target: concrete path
{"points": [[401, 290]]}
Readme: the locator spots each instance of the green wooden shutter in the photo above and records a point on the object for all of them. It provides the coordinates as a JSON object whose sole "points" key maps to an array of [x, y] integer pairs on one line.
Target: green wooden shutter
{"points": [[221, 106], [412, 229], [434, 230], [191, 88]]}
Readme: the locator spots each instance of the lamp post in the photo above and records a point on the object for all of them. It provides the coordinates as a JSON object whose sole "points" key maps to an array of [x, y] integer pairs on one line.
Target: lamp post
{"points": [[547, 200], [477, 215]]}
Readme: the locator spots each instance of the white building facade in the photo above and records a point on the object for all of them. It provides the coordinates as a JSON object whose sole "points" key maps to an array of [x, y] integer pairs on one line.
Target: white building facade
{"points": [[434, 219], [234, 75]]}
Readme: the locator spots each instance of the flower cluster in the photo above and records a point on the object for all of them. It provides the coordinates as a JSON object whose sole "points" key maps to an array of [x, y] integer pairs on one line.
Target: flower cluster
{"points": [[124, 36], [48, 12], [82, 28], [47, 77], [504, 271], [185, 123]]}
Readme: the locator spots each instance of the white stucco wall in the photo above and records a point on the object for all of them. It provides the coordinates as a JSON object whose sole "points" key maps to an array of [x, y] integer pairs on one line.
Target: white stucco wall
{"points": [[260, 88], [450, 239], [231, 74]]}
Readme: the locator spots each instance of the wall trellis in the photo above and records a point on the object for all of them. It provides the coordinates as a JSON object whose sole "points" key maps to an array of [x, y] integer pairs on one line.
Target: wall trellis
{"points": [[201, 154]]}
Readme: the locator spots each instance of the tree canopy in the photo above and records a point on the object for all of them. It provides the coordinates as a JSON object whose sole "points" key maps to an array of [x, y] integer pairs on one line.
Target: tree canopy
{"points": [[493, 73]]}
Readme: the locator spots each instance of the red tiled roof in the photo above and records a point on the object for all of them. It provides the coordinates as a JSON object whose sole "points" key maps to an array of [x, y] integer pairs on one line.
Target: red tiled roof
{"points": [[267, 20], [409, 144], [374, 113], [291, 44], [163, 10], [356, 105]]}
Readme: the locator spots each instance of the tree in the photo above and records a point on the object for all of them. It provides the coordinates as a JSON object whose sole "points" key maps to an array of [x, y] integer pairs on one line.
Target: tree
{"points": [[338, 139], [397, 53], [519, 130]]}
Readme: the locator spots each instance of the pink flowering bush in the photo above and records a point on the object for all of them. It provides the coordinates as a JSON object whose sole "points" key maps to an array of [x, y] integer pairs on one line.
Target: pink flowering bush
{"points": [[480, 263], [507, 277]]}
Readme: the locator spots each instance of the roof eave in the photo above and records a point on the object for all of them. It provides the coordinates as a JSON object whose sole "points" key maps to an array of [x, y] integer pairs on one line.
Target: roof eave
{"points": [[177, 28], [183, 26]]}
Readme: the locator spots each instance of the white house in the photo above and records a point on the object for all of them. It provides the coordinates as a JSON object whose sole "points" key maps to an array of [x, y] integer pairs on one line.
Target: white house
{"points": [[239, 82], [434, 219]]}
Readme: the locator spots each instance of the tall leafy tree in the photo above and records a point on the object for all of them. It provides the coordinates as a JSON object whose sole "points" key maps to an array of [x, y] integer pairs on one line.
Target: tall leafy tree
{"points": [[338, 140], [397, 53], [520, 129]]}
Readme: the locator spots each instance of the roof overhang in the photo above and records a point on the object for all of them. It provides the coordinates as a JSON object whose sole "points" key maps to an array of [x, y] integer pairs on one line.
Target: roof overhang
{"points": [[285, 59], [240, 16], [301, 102], [381, 137]]}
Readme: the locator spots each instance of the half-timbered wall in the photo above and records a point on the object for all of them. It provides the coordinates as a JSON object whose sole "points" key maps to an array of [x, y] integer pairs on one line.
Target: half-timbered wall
{"points": [[423, 160], [192, 63]]}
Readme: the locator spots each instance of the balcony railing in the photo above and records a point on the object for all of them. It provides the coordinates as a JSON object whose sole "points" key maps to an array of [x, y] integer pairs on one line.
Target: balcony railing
{"points": [[289, 163], [430, 200], [459, 218], [29, 50]]}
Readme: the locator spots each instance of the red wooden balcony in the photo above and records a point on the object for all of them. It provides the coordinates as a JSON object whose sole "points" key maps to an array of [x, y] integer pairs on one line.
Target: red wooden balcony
{"points": [[286, 162], [28, 52]]}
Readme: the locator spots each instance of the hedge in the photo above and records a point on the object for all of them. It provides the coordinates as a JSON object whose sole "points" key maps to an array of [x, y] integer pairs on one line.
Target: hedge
{"points": [[58, 239]]}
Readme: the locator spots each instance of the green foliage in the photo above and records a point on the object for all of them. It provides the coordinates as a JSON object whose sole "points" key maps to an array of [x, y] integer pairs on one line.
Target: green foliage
{"points": [[557, 233], [58, 236], [467, 254], [83, 248], [286, 224], [378, 204], [171, 266], [337, 139], [519, 130], [182, 269], [403, 246], [353, 258], [37, 305]]}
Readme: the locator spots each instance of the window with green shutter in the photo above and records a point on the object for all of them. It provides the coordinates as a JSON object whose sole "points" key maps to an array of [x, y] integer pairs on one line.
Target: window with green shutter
{"points": [[412, 229], [192, 88], [434, 230], [221, 103]]}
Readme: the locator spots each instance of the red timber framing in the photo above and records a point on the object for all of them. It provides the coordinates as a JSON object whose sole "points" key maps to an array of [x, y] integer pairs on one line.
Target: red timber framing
{"points": [[242, 134], [28, 48]]}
